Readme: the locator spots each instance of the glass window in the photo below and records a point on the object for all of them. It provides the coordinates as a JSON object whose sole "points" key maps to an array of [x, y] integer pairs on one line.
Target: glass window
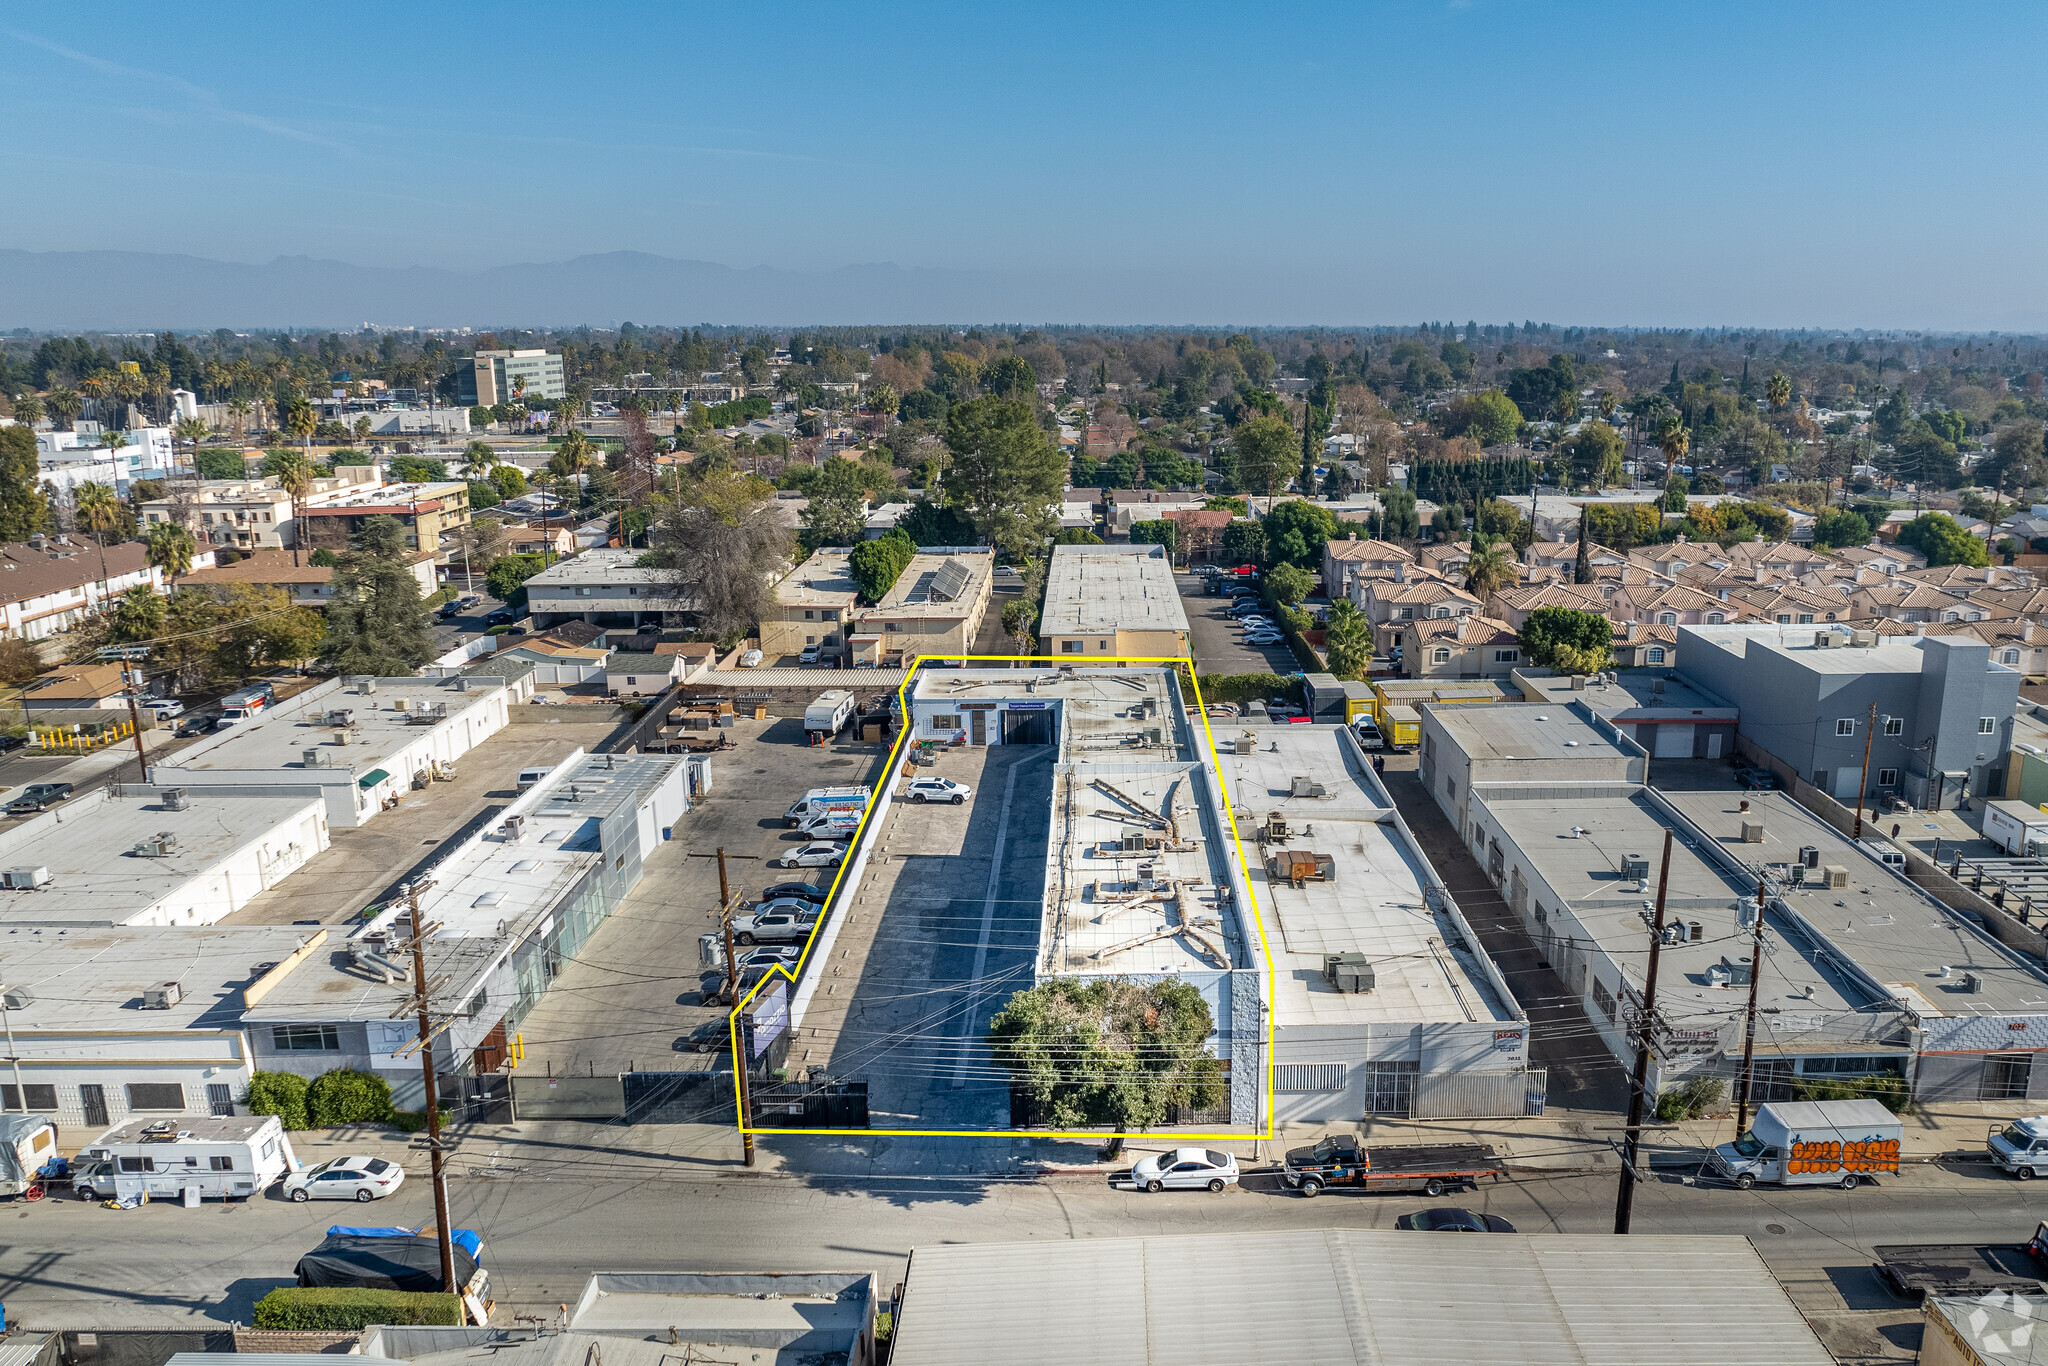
{"points": [[1506, 656], [1440, 656], [1656, 654], [1894, 725], [1887, 777], [1715, 619], [1987, 725], [223, 1164], [2009, 657], [167, 1095], [305, 1038], [1845, 726], [1604, 999], [39, 1097]]}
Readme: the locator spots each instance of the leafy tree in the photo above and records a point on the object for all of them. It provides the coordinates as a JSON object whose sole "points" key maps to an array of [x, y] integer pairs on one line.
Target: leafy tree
{"points": [[929, 523], [508, 480], [1263, 450], [1936, 535], [1160, 532], [418, 469], [1289, 584], [1004, 474], [1837, 527], [1925, 457], [262, 630], [838, 509], [1675, 490], [1244, 543], [1550, 629], [720, 543], [923, 405], [1296, 531], [1347, 640], [1075, 535], [221, 464], [323, 558], [1497, 517], [1674, 441], [1489, 417], [506, 575], [1892, 416], [876, 565], [2015, 461], [1108, 1050], [1402, 523], [376, 620], [1596, 453], [1536, 392], [483, 494], [1010, 377]]}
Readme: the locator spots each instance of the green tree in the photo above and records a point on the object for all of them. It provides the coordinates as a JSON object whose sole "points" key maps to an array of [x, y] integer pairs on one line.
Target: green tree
{"points": [[1837, 527], [294, 474], [171, 548], [346, 1096], [1296, 531], [1289, 584], [1550, 629], [479, 458], [1005, 476], [23, 506], [1778, 391], [1490, 568], [1075, 535], [1596, 453], [1936, 535], [719, 544], [1108, 1051], [301, 421], [1673, 440], [929, 523], [1347, 640], [1400, 521], [1489, 417], [1675, 490], [837, 511], [377, 622], [506, 575], [278, 1093], [1010, 377], [2015, 461], [1160, 532], [1244, 543], [217, 464], [99, 510], [876, 565], [1262, 452]]}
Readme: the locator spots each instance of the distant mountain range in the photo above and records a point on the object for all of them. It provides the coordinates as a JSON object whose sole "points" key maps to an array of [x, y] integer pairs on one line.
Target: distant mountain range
{"points": [[127, 291]]}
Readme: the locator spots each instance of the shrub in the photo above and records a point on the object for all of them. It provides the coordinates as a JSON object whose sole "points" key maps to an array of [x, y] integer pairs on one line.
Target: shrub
{"points": [[346, 1310], [1691, 1098], [345, 1096], [279, 1093], [1249, 687], [415, 1121], [1889, 1092]]}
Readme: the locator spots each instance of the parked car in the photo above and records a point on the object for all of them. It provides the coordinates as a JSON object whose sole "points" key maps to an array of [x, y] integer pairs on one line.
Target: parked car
{"points": [[1264, 638], [1220, 709], [822, 854], [938, 790], [1279, 707], [164, 708], [38, 797], [469, 600], [1368, 733], [768, 955], [802, 891], [1181, 1169], [195, 725], [449, 610], [1453, 1221], [751, 659], [782, 927], [504, 616], [810, 655], [345, 1178], [10, 743]]}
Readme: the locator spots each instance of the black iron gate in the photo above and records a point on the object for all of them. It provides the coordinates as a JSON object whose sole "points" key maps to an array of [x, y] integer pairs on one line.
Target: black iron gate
{"points": [[810, 1105]]}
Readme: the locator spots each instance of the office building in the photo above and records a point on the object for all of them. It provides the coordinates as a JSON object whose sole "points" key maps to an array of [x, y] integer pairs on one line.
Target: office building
{"points": [[1112, 602], [494, 377]]}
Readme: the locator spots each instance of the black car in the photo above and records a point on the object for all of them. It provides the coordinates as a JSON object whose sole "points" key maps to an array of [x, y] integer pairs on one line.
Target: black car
{"points": [[449, 609], [806, 891], [1450, 1220], [39, 797], [504, 616], [10, 743]]}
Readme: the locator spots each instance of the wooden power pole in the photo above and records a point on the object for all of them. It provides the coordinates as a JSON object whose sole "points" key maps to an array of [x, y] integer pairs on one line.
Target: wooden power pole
{"points": [[744, 1095], [1756, 973], [420, 1006], [1639, 1081]]}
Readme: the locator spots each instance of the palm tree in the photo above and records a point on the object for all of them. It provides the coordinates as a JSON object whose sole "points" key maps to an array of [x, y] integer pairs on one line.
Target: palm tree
{"points": [[1778, 391], [1489, 569], [171, 547], [28, 410], [544, 480], [241, 408], [479, 459], [99, 509], [65, 405], [1673, 440], [300, 420], [295, 477]]}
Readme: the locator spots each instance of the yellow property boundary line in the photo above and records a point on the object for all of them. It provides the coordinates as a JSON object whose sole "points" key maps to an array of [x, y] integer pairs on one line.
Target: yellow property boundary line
{"points": [[895, 753]]}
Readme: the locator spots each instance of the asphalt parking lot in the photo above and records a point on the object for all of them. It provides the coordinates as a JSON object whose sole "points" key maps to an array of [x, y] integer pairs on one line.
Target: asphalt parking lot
{"points": [[1218, 645], [634, 998]]}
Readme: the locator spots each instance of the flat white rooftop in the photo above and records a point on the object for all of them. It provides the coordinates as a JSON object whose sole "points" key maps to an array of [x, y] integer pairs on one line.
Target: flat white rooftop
{"points": [[1092, 590], [381, 724], [1373, 901], [1517, 732], [93, 979], [97, 877]]}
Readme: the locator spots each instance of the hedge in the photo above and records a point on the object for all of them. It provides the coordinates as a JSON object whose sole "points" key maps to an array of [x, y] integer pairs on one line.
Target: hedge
{"points": [[1248, 687], [279, 1093], [348, 1310], [345, 1096]]}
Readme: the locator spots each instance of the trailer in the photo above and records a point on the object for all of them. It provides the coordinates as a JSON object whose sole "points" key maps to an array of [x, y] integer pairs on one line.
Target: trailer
{"points": [[28, 1154], [1814, 1143], [192, 1157], [828, 715], [2016, 827], [1432, 1168], [1966, 1269]]}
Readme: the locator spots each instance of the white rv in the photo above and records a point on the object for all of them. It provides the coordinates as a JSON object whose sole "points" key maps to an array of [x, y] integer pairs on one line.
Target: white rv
{"points": [[191, 1157]]}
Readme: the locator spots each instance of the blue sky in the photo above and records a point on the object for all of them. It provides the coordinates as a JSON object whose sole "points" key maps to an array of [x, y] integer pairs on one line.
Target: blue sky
{"points": [[1813, 164]]}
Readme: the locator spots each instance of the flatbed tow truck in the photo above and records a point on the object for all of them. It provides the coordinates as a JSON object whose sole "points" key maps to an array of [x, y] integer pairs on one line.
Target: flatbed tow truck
{"points": [[1432, 1168], [1966, 1268]]}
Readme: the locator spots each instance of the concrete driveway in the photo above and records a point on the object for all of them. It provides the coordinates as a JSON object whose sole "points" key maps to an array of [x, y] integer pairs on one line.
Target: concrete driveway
{"points": [[1218, 646]]}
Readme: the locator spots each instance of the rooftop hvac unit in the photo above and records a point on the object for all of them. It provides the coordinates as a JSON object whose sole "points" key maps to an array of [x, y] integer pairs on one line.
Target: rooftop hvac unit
{"points": [[25, 879], [1809, 855], [401, 704], [1752, 832], [313, 758], [367, 685], [1864, 639], [18, 998], [162, 996], [1304, 787], [1798, 875], [176, 799], [1635, 868], [1823, 640], [1972, 984], [162, 844], [1349, 972], [341, 737], [515, 829], [1154, 735], [1835, 875], [1658, 686]]}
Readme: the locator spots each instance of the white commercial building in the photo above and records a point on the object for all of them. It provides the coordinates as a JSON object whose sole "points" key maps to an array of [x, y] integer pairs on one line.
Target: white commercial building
{"points": [[358, 743], [68, 459], [135, 855]]}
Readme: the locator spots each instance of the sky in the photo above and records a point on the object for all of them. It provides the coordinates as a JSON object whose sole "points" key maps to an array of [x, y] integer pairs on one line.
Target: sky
{"points": [[1822, 165]]}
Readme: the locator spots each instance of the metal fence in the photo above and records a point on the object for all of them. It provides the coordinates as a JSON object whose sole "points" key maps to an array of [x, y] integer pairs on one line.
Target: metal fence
{"points": [[569, 1097], [1479, 1095]]}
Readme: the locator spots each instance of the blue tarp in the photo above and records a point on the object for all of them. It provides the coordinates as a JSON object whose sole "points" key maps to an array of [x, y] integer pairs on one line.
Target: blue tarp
{"points": [[468, 1239]]}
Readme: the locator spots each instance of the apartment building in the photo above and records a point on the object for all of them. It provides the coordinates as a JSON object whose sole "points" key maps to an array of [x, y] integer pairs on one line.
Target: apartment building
{"points": [[935, 607], [1112, 602], [425, 512], [50, 584], [250, 514]]}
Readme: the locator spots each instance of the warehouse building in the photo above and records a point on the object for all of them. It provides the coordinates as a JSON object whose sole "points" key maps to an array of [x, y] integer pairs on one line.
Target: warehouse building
{"points": [[512, 901], [1343, 1297], [1112, 602], [135, 855], [1384, 1002], [358, 744]]}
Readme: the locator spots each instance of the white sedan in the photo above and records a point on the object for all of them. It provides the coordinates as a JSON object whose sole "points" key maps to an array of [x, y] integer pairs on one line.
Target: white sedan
{"points": [[346, 1178], [1181, 1169], [751, 659], [938, 790], [821, 854]]}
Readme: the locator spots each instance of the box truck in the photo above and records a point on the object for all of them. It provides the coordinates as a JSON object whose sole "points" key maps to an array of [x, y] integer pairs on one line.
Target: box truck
{"points": [[2019, 829], [1814, 1143], [822, 799]]}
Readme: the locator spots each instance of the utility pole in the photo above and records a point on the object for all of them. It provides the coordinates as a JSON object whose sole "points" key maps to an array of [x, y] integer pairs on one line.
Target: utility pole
{"points": [[435, 1153], [732, 992], [1625, 1196], [1863, 785], [1756, 973], [131, 678]]}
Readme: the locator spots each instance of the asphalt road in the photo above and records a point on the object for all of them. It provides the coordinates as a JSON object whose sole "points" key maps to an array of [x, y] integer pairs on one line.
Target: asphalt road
{"points": [[78, 1265]]}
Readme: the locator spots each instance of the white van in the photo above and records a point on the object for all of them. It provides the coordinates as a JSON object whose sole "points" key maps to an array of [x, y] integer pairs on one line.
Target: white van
{"points": [[1887, 854], [821, 799], [528, 777]]}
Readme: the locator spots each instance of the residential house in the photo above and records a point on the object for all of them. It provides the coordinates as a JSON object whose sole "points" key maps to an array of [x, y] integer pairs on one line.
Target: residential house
{"points": [[1389, 604], [78, 687], [1352, 558], [307, 584], [50, 584], [1125, 506], [1465, 646], [637, 674], [1640, 646]]}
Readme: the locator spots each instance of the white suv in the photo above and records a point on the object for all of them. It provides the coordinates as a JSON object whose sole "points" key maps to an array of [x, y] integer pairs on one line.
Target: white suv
{"points": [[938, 790]]}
